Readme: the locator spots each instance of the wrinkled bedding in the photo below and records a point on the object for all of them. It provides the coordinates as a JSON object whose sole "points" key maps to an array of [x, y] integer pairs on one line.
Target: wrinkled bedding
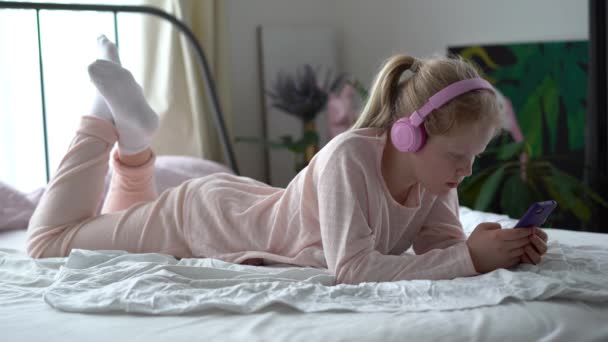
{"points": [[109, 281], [564, 298]]}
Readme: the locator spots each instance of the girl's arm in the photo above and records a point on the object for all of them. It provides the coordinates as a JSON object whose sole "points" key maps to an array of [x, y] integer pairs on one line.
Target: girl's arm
{"points": [[442, 227], [348, 240]]}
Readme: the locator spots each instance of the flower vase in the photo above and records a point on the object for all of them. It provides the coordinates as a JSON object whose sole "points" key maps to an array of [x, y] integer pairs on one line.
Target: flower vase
{"points": [[311, 140], [312, 149]]}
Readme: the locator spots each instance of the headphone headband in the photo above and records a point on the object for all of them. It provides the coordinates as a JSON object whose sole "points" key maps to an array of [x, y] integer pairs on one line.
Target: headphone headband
{"points": [[406, 133], [446, 94]]}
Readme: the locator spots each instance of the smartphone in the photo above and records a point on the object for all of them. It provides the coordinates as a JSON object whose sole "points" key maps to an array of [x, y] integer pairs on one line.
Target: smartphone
{"points": [[536, 215]]}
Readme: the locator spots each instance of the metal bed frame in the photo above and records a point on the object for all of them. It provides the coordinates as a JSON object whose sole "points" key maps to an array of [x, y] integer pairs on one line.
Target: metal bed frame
{"points": [[218, 116]]}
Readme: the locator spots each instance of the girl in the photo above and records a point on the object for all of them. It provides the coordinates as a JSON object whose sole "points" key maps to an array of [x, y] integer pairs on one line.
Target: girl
{"points": [[363, 200]]}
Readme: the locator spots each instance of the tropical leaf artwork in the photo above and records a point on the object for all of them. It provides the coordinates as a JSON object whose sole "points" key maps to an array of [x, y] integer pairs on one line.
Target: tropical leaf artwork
{"points": [[547, 86]]}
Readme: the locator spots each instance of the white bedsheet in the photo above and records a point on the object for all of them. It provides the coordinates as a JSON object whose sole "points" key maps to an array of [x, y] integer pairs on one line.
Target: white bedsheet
{"points": [[107, 281], [24, 315]]}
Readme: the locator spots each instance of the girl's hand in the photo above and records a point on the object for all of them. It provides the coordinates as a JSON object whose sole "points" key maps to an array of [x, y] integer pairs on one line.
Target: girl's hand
{"points": [[536, 248], [492, 247]]}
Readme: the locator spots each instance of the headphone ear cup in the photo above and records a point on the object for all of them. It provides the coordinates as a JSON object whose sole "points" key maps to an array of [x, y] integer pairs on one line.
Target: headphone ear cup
{"points": [[405, 137], [418, 139], [423, 137]]}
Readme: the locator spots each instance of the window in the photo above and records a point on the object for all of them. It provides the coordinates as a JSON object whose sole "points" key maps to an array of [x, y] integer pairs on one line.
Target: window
{"points": [[67, 47]]}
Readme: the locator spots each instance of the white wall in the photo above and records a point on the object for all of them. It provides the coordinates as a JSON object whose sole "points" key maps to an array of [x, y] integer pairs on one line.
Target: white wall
{"points": [[371, 31], [243, 18]]}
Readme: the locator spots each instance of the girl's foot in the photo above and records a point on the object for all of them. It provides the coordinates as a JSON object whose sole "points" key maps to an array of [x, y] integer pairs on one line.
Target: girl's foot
{"points": [[135, 120], [105, 50]]}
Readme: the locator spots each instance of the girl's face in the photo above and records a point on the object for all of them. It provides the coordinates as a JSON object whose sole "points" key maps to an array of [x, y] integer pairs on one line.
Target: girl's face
{"points": [[446, 159]]}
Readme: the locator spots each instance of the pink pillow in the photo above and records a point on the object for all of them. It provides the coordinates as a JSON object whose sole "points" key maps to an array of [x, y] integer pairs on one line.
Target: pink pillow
{"points": [[171, 171], [17, 207]]}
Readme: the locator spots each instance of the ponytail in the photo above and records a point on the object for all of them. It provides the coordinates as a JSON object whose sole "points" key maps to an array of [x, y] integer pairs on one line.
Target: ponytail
{"points": [[379, 110]]}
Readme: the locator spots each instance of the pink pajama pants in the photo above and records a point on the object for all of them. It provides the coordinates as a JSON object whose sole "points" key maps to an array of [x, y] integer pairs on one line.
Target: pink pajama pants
{"points": [[133, 218]]}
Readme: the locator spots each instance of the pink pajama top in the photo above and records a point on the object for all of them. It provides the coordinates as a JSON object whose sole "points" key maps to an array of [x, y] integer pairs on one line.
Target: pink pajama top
{"points": [[337, 213]]}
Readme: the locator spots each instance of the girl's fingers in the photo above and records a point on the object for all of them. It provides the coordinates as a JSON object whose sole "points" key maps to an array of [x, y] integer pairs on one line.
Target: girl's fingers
{"points": [[539, 244], [515, 244], [514, 262], [540, 233], [517, 253], [514, 233], [525, 259], [532, 254]]}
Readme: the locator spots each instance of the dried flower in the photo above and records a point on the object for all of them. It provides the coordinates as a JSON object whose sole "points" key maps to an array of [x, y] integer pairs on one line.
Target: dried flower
{"points": [[302, 95]]}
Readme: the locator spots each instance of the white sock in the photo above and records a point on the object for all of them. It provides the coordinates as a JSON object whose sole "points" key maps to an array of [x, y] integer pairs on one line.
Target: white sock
{"points": [[135, 120], [105, 50]]}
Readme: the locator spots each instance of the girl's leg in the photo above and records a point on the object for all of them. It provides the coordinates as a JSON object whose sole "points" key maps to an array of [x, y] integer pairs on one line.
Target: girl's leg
{"points": [[133, 181], [133, 177], [75, 191], [64, 218]]}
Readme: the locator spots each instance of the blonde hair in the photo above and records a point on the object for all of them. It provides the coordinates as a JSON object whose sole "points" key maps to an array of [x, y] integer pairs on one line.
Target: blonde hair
{"points": [[392, 98]]}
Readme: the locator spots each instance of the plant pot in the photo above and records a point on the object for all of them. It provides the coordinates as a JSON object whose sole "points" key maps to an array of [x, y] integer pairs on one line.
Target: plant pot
{"points": [[311, 150]]}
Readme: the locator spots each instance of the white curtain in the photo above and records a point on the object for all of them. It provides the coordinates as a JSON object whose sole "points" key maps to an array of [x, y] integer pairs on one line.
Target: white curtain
{"points": [[172, 79]]}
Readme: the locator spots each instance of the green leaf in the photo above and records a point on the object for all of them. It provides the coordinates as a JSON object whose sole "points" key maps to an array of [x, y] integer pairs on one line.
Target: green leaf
{"points": [[287, 139], [567, 194], [310, 138], [271, 144], [515, 196], [577, 184], [470, 188], [582, 211], [363, 93], [555, 193], [510, 151], [488, 191], [564, 198]]}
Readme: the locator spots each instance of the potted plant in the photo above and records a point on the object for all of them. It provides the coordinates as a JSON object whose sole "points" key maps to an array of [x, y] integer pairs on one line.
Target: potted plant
{"points": [[303, 96], [515, 178]]}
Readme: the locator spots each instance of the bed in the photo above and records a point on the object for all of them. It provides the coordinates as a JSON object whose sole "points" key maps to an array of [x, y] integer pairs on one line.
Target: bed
{"points": [[27, 314], [113, 295]]}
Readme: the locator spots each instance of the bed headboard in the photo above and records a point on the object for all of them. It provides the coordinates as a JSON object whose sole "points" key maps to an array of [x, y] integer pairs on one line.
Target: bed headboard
{"points": [[210, 88]]}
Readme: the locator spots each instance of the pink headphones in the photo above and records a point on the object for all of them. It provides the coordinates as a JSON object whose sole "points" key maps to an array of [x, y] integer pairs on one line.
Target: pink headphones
{"points": [[408, 133]]}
